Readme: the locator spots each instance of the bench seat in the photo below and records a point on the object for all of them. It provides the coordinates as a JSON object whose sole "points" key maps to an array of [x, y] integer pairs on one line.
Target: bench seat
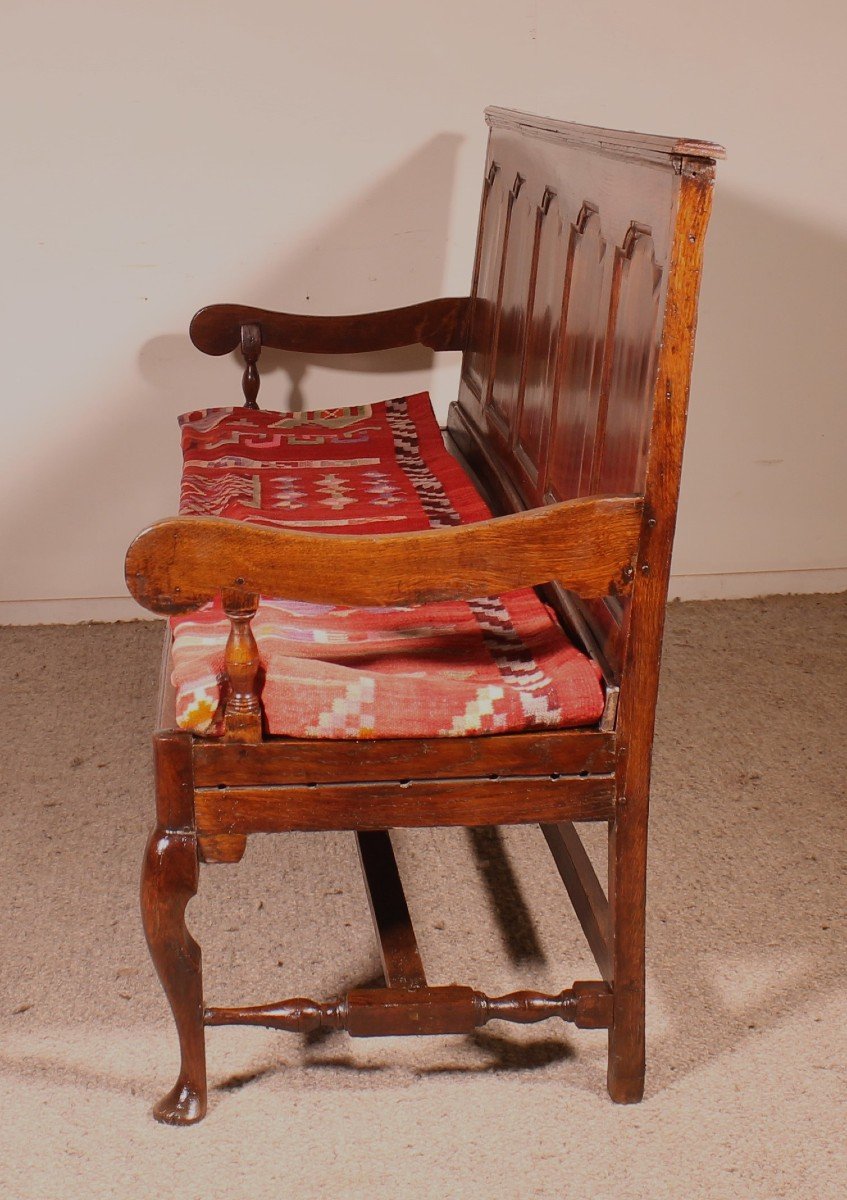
{"points": [[489, 665]]}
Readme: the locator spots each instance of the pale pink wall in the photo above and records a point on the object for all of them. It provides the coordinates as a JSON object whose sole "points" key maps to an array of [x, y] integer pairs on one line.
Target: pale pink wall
{"points": [[327, 157]]}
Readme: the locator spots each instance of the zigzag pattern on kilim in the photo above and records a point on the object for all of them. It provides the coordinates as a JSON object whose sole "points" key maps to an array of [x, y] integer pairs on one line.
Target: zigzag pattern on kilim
{"points": [[202, 495], [514, 659], [501, 638], [451, 669]]}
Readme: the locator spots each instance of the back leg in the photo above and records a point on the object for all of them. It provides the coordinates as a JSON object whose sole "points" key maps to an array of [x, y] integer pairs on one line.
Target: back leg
{"points": [[627, 898]]}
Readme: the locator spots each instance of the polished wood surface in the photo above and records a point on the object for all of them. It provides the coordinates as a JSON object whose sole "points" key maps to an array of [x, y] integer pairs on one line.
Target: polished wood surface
{"points": [[607, 409], [311, 761], [398, 947], [571, 335], [588, 545], [398, 1011], [642, 147], [243, 708], [168, 881], [251, 348], [404, 804], [436, 324], [640, 680], [577, 342], [585, 890]]}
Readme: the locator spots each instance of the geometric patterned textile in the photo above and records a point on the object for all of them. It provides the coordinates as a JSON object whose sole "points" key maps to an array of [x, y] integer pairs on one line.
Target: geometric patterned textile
{"points": [[488, 665]]}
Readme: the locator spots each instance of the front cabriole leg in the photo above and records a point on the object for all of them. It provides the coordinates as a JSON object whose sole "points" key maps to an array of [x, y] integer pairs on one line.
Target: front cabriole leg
{"points": [[169, 879]]}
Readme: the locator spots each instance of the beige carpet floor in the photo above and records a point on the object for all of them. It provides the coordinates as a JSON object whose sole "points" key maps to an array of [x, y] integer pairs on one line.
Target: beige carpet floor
{"points": [[748, 966]]}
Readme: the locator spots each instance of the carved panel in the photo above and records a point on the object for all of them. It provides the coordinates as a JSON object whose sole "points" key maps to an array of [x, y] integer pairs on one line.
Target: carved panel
{"points": [[575, 417], [496, 201], [544, 328], [515, 302], [577, 391], [629, 369]]}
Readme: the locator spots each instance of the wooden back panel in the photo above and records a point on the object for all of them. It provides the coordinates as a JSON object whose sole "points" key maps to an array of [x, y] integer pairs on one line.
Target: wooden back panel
{"points": [[569, 297]]}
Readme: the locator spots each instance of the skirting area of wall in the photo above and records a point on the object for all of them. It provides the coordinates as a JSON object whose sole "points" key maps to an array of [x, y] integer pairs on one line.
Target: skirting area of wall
{"points": [[743, 585], [737, 585], [746, 585], [71, 611]]}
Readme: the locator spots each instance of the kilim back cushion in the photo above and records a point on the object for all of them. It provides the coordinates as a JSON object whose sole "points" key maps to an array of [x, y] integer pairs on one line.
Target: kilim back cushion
{"points": [[489, 665]]}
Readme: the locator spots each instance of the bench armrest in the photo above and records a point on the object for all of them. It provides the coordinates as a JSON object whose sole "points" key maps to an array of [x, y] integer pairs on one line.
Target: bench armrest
{"points": [[437, 324], [587, 545]]}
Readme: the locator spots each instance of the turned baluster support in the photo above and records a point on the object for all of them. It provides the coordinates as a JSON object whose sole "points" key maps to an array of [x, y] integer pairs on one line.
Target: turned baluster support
{"points": [[297, 1015], [243, 712], [251, 348], [393, 1012]]}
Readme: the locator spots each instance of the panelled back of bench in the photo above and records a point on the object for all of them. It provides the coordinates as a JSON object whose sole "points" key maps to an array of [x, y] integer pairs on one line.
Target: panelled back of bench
{"points": [[568, 302]]}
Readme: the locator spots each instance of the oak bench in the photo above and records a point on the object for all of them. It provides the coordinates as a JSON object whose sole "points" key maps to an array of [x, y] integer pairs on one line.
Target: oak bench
{"points": [[576, 341]]}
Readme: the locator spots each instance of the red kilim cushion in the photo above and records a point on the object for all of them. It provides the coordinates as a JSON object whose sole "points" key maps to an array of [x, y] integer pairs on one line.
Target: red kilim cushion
{"points": [[489, 665]]}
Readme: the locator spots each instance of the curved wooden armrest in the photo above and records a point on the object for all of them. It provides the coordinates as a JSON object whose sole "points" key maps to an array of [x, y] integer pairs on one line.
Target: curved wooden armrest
{"points": [[588, 546], [438, 324]]}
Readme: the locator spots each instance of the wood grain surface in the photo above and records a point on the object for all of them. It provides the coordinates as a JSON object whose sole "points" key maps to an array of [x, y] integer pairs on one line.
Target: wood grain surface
{"points": [[437, 324], [182, 562]]}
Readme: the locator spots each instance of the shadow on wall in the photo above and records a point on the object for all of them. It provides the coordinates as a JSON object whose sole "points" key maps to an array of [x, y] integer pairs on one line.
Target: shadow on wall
{"points": [[763, 467], [768, 424], [350, 259], [70, 533]]}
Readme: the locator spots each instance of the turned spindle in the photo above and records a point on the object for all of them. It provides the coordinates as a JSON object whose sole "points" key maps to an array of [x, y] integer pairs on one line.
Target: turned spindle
{"points": [[243, 711], [251, 348], [298, 1015], [398, 1012]]}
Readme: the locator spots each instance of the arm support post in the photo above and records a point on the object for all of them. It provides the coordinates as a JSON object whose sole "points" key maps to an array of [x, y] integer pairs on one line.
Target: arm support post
{"points": [[243, 711]]}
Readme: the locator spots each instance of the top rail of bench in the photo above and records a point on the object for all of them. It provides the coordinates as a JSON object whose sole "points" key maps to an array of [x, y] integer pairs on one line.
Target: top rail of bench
{"points": [[610, 141]]}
